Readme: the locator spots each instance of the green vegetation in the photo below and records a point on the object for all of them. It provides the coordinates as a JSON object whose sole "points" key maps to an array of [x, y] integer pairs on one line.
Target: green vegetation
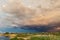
{"points": [[22, 35], [43, 38], [21, 39], [34, 36], [15, 38]]}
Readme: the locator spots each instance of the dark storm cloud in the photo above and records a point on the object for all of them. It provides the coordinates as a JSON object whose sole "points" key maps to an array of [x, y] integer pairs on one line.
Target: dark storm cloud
{"points": [[43, 28]]}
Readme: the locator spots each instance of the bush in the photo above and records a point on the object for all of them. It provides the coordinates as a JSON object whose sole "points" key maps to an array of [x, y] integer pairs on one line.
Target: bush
{"points": [[40, 38], [21, 39], [34, 38], [14, 38]]}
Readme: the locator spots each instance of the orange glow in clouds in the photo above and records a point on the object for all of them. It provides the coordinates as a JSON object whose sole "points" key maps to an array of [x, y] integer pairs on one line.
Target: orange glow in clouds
{"points": [[33, 12]]}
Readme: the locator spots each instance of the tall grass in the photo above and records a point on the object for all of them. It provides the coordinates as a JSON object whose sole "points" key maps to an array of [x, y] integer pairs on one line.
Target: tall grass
{"points": [[46, 38]]}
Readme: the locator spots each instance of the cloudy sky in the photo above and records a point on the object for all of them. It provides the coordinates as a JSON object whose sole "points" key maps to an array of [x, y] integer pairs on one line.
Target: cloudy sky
{"points": [[31, 14]]}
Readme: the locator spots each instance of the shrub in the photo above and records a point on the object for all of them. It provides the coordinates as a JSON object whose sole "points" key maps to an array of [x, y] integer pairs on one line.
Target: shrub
{"points": [[14, 38]]}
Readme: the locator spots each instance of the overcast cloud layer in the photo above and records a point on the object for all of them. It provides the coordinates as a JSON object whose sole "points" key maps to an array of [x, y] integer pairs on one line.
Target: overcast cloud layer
{"points": [[42, 14]]}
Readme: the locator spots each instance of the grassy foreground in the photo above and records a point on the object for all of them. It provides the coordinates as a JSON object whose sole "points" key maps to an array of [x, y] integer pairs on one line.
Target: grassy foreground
{"points": [[33, 36]]}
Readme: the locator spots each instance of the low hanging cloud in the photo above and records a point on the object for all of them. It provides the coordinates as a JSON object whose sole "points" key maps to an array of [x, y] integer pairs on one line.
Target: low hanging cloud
{"points": [[33, 12]]}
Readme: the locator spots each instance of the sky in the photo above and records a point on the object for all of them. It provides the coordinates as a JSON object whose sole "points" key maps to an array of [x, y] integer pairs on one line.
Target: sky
{"points": [[39, 15]]}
